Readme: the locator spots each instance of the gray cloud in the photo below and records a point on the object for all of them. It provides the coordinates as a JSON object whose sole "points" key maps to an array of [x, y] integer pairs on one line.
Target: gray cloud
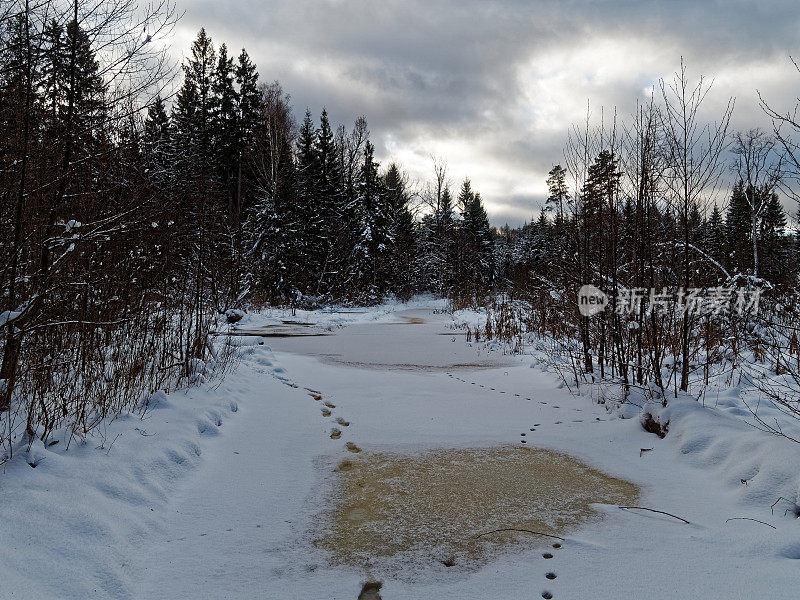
{"points": [[492, 86]]}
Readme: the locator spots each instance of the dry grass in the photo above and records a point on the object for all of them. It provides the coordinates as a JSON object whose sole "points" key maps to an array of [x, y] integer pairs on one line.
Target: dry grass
{"points": [[408, 516]]}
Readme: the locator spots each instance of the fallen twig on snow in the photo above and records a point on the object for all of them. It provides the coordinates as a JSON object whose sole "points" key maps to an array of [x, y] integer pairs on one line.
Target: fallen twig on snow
{"points": [[520, 530], [661, 512], [749, 519], [795, 508]]}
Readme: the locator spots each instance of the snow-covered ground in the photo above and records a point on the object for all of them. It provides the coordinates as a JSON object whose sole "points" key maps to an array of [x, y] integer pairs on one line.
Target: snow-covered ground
{"points": [[212, 494]]}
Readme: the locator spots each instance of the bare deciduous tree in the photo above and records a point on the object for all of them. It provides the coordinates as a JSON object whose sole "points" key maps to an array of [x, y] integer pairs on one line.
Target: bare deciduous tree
{"points": [[693, 166]]}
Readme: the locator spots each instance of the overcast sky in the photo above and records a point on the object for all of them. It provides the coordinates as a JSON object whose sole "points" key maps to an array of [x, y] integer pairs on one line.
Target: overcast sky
{"points": [[492, 87]]}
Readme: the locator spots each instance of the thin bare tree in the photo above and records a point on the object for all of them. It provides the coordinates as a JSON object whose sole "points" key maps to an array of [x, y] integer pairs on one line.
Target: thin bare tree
{"points": [[694, 150]]}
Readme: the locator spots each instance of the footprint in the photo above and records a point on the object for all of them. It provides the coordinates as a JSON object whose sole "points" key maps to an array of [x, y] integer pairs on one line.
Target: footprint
{"points": [[316, 397], [336, 433], [352, 447], [547, 555], [547, 595], [342, 422], [371, 591], [329, 404], [326, 412], [205, 427], [558, 423], [551, 575]]}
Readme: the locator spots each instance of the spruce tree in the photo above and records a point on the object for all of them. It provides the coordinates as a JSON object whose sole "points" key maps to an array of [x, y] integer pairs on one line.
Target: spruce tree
{"points": [[737, 232], [273, 231], [247, 115], [403, 263], [330, 200], [224, 129], [773, 245], [311, 238], [55, 57], [482, 234], [440, 230], [463, 266], [193, 112], [374, 235], [200, 233], [715, 236], [157, 142]]}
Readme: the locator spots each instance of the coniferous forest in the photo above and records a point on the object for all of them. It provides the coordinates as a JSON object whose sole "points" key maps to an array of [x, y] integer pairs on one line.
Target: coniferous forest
{"points": [[141, 203]]}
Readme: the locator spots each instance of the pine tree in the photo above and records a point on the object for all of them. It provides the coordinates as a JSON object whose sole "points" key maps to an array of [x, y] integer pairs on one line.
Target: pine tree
{"points": [[558, 193]]}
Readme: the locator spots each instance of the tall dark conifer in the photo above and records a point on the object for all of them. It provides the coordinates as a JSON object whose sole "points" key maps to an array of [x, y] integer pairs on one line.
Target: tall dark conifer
{"points": [[311, 238], [404, 260], [739, 252]]}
